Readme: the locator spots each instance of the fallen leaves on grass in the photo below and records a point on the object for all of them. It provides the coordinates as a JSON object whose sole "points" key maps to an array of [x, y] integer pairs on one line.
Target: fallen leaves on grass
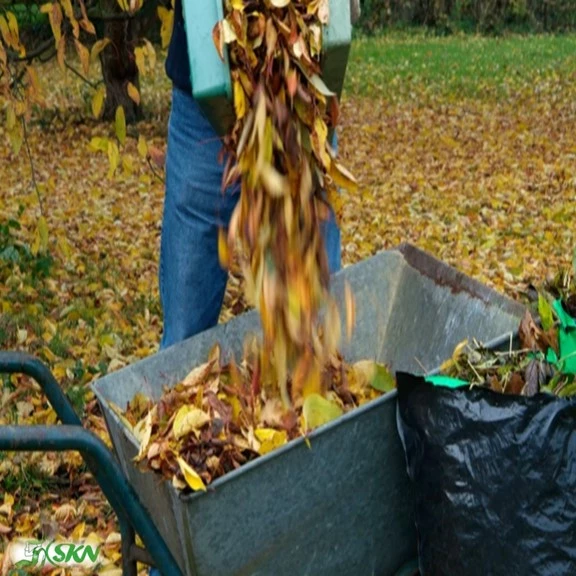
{"points": [[486, 184]]}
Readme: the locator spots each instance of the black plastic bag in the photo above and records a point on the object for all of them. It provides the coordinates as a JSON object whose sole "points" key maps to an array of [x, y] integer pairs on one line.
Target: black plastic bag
{"points": [[494, 479]]}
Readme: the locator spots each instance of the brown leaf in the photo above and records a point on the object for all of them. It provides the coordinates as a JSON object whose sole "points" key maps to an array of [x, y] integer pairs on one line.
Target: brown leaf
{"points": [[515, 385], [529, 333]]}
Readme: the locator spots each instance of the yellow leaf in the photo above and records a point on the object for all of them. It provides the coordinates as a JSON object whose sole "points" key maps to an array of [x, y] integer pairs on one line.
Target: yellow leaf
{"points": [[64, 247], [120, 414], [140, 58], [98, 144], [61, 52], [98, 101], [370, 373], [55, 17], [127, 165], [97, 47], [78, 531], [6, 508], [84, 56], [13, 26], [145, 435], [43, 234], [68, 10], [149, 49], [318, 411], [10, 117], [459, 350], [189, 419], [142, 146], [88, 26], [113, 158], [133, 93], [192, 478], [33, 80], [167, 18], [319, 136], [223, 252], [239, 100], [342, 177], [5, 31], [270, 439], [120, 125], [275, 183], [350, 310], [238, 5], [16, 137]]}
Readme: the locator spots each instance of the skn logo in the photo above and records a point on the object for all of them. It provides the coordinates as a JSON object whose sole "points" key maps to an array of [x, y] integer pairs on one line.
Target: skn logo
{"points": [[34, 554]]}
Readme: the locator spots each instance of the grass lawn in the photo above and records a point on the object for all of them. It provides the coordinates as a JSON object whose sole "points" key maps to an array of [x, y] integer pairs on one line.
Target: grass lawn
{"points": [[397, 65]]}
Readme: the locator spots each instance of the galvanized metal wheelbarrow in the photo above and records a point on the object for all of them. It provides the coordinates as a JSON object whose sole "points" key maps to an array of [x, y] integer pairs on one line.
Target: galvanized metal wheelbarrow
{"points": [[340, 508]]}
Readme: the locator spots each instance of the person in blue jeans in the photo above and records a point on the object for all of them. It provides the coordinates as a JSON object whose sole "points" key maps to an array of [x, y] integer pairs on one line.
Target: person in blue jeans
{"points": [[192, 282]]}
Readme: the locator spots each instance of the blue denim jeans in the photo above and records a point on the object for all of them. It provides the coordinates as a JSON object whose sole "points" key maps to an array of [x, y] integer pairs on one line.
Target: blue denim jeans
{"points": [[192, 283]]}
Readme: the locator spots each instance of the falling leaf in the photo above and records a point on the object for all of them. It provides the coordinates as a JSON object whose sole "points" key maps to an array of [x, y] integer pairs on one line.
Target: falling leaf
{"points": [[218, 38], [223, 252], [342, 177], [350, 310], [167, 19], [324, 11], [239, 100], [318, 83]]}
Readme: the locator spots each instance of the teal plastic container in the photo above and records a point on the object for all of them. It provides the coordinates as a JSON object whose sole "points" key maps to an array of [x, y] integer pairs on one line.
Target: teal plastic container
{"points": [[211, 84]]}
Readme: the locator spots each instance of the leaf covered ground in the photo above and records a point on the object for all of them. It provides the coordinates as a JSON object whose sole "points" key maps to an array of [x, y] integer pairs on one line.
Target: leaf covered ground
{"points": [[464, 147]]}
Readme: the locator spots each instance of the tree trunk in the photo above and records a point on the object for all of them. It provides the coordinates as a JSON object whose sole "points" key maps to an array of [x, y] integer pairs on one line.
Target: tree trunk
{"points": [[119, 68]]}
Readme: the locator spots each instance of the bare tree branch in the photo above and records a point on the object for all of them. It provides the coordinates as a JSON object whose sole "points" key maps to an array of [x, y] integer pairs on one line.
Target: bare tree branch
{"points": [[33, 54], [81, 76], [32, 169]]}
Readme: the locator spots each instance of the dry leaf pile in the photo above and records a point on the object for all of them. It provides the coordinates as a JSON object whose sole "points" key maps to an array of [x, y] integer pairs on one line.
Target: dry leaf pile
{"points": [[224, 415], [280, 152]]}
